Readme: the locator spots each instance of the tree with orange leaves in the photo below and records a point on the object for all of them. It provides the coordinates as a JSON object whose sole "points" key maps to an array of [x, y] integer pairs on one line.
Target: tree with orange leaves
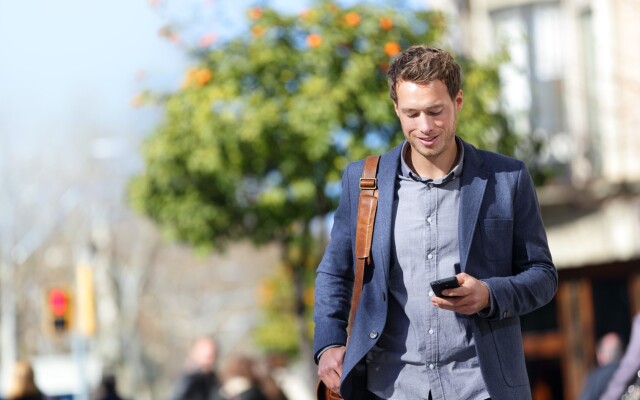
{"points": [[254, 147]]}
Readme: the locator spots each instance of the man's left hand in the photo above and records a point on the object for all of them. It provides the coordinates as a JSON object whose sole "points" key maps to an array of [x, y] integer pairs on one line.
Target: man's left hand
{"points": [[472, 296]]}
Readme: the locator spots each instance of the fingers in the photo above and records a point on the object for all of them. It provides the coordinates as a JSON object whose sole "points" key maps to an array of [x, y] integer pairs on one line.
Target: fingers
{"points": [[471, 297], [330, 367]]}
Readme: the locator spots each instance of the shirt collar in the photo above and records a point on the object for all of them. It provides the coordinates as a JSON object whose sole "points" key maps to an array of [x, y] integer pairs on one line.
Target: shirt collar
{"points": [[455, 172]]}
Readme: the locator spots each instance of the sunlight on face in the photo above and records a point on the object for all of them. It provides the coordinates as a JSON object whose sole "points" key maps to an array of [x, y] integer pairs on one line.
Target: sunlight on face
{"points": [[428, 118]]}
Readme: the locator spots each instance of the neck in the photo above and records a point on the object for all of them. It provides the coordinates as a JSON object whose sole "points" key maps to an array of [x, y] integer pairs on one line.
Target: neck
{"points": [[432, 167]]}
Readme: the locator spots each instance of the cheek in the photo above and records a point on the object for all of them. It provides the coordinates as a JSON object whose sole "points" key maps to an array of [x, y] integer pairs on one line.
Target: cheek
{"points": [[446, 122], [406, 124]]}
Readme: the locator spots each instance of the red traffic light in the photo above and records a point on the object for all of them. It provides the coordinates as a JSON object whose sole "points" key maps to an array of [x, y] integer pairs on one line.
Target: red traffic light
{"points": [[58, 302]]}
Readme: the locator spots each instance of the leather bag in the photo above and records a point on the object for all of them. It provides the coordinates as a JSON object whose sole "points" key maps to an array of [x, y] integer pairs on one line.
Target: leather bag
{"points": [[367, 206]]}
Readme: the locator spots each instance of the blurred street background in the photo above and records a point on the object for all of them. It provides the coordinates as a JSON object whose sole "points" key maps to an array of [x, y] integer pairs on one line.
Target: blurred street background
{"points": [[168, 170]]}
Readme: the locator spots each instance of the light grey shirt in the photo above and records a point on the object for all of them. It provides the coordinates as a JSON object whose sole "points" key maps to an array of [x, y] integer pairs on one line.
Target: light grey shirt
{"points": [[424, 349]]}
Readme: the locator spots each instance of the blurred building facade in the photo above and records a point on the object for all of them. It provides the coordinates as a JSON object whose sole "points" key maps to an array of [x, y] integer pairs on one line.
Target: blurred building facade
{"points": [[572, 80]]}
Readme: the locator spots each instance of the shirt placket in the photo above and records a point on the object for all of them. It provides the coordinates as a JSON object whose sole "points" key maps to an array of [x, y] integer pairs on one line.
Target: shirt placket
{"points": [[431, 259]]}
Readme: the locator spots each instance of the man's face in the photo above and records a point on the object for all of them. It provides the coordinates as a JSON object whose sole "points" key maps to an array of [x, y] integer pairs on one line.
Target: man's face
{"points": [[428, 118], [203, 355]]}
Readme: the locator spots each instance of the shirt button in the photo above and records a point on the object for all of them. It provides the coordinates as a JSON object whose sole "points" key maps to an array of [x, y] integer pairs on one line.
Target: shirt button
{"points": [[373, 335], [430, 256], [429, 220], [431, 366], [430, 331], [431, 293]]}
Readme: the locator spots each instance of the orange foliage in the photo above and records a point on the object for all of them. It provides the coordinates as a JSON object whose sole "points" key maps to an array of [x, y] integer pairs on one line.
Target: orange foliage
{"points": [[255, 13], [314, 40], [352, 18], [266, 292], [386, 23], [196, 77], [207, 40], [203, 76], [257, 31], [169, 34], [137, 100], [306, 14], [392, 48]]}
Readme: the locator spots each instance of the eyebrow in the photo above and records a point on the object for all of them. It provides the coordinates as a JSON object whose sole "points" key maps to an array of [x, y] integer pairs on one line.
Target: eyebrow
{"points": [[430, 108]]}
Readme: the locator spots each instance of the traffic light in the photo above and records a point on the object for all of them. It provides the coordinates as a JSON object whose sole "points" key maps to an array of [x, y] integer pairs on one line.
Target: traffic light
{"points": [[59, 309]]}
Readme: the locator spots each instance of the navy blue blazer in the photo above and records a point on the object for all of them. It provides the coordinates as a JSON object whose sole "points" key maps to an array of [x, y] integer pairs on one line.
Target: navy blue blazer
{"points": [[502, 241]]}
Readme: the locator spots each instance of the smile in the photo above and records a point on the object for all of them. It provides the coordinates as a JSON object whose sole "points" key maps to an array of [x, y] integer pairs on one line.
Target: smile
{"points": [[428, 141]]}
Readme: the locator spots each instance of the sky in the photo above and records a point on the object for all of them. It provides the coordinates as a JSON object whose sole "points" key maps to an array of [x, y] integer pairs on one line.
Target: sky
{"points": [[70, 68], [69, 71]]}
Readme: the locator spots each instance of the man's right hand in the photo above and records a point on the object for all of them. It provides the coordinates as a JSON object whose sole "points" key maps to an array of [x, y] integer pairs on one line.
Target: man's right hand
{"points": [[330, 367]]}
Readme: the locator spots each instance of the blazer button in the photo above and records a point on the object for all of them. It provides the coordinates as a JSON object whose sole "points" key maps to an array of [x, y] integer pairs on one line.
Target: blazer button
{"points": [[373, 335]]}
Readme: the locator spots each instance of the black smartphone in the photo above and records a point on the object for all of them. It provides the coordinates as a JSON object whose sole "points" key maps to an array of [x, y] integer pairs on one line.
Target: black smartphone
{"points": [[446, 283]]}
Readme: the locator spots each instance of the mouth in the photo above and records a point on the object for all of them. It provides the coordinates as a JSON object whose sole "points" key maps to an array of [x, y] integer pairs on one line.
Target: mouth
{"points": [[428, 141]]}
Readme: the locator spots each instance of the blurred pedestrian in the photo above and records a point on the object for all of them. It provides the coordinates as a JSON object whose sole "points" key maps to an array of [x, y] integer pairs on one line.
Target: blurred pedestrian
{"points": [[199, 381], [108, 388], [240, 381], [608, 353], [629, 366], [23, 384], [268, 374], [288, 378]]}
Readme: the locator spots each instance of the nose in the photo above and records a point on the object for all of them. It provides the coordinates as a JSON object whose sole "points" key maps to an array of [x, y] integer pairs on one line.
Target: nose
{"points": [[425, 123]]}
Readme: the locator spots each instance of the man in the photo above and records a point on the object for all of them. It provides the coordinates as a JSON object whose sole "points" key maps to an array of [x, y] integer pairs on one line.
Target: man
{"points": [[199, 382], [444, 208], [608, 354]]}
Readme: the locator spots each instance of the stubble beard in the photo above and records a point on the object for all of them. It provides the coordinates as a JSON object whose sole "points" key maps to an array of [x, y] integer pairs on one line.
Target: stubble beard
{"points": [[448, 136]]}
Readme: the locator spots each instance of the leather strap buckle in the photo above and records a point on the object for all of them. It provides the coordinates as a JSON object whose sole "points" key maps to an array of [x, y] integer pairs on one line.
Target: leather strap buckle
{"points": [[368, 183]]}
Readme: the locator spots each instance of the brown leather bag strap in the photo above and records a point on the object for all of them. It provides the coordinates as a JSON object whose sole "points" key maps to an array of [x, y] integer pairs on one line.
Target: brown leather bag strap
{"points": [[367, 206]]}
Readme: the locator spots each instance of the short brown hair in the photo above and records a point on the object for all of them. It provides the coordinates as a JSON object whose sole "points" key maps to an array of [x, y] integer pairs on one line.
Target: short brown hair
{"points": [[423, 64]]}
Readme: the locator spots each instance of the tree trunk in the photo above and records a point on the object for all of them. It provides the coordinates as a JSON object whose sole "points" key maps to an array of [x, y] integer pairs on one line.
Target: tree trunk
{"points": [[305, 346]]}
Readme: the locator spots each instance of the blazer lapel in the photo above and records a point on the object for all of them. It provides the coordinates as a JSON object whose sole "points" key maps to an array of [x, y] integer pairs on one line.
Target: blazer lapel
{"points": [[472, 186]]}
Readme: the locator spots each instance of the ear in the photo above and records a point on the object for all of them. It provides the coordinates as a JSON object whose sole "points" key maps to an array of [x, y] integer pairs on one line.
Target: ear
{"points": [[459, 101], [395, 107]]}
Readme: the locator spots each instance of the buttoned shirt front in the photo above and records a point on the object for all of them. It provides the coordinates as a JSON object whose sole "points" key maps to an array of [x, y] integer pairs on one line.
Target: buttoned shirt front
{"points": [[424, 349]]}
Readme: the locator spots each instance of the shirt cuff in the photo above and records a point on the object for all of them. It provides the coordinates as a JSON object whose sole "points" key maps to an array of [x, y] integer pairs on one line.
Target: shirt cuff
{"points": [[325, 349], [490, 311]]}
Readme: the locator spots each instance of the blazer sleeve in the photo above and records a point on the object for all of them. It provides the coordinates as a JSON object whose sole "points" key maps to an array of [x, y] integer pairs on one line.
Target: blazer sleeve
{"points": [[335, 275], [534, 278]]}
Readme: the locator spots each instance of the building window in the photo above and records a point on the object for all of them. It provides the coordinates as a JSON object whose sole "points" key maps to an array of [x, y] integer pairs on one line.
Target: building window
{"points": [[590, 80], [532, 79]]}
